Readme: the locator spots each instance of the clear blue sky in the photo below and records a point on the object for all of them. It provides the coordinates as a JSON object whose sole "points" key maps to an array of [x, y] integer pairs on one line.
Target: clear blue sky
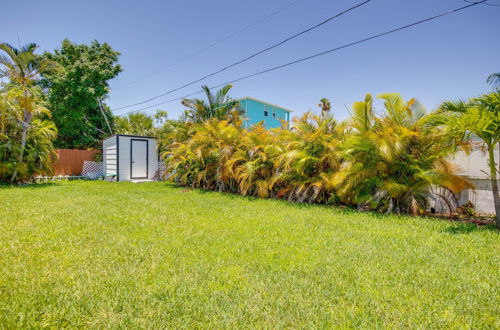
{"points": [[445, 59]]}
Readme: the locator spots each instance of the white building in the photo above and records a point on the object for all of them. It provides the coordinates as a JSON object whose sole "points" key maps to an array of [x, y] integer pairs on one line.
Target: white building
{"points": [[130, 158]]}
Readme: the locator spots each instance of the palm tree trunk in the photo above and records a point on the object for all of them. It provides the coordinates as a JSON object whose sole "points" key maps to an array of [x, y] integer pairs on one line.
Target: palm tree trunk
{"points": [[26, 123], [494, 185]]}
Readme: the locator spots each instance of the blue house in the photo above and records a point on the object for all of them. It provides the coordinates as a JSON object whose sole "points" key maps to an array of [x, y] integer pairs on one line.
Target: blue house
{"points": [[256, 111]]}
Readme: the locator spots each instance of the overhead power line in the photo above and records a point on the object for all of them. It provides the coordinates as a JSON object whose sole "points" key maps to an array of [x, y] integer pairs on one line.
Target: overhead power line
{"points": [[485, 3], [247, 58], [320, 54], [243, 29]]}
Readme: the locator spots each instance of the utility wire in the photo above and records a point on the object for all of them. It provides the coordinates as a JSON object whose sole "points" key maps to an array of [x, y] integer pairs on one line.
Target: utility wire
{"points": [[322, 53], [248, 57], [211, 45], [485, 3]]}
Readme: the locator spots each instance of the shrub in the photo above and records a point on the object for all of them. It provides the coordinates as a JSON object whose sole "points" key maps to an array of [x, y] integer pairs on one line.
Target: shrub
{"points": [[38, 152], [386, 162]]}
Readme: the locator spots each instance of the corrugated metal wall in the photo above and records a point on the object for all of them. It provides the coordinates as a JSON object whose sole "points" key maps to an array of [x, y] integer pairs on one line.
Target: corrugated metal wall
{"points": [[70, 161], [110, 156]]}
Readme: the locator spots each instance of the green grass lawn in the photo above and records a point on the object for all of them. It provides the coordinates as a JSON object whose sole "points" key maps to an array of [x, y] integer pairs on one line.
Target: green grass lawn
{"points": [[100, 254]]}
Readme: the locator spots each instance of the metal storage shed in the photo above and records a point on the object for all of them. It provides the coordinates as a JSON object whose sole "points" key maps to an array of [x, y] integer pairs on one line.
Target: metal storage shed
{"points": [[130, 157]]}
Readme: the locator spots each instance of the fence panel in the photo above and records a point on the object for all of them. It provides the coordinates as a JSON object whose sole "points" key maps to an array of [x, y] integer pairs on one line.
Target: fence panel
{"points": [[70, 161]]}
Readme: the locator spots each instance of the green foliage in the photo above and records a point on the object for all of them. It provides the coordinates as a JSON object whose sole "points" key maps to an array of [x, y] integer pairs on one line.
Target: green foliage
{"points": [[392, 160], [494, 79], [140, 123], [477, 118], [38, 151], [218, 105], [26, 140], [123, 255], [135, 124], [324, 105], [157, 125], [76, 92], [384, 162]]}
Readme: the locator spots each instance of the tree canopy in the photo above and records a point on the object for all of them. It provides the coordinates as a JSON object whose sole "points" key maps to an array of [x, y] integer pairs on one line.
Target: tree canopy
{"points": [[75, 94], [218, 105]]}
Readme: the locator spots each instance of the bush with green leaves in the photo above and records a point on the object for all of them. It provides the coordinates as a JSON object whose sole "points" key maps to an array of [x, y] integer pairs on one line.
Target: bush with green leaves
{"points": [[26, 136], [38, 151], [385, 162]]}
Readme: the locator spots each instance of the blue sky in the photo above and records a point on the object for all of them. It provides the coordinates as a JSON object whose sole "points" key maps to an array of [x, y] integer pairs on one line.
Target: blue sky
{"points": [[445, 59]]}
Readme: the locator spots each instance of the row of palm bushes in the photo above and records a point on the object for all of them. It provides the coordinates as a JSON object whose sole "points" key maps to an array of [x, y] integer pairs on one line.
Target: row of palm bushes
{"points": [[26, 133], [386, 162]]}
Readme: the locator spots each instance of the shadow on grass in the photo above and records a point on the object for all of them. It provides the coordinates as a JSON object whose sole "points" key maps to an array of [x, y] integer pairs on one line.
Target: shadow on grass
{"points": [[28, 185], [295, 204], [455, 227], [468, 228]]}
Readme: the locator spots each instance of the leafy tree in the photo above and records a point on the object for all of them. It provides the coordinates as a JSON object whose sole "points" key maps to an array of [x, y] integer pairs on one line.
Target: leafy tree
{"points": [[75, 94], [477, 118], [23, 68], [218, 105]]}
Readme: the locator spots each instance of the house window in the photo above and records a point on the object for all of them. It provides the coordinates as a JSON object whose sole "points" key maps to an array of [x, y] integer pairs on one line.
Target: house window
{"points": [[266, 111], [274, 113]]}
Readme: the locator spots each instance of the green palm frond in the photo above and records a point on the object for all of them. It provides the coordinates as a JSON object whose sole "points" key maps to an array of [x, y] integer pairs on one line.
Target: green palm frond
{"points": [[494, 79]]}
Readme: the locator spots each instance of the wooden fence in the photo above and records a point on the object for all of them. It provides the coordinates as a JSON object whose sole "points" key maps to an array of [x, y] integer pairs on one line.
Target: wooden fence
{"points": [[70, 161]]}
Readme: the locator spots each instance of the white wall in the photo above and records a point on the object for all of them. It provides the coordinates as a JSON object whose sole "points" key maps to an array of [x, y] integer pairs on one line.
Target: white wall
{"points": [[124, 157], [474, 167], [481, 197]]}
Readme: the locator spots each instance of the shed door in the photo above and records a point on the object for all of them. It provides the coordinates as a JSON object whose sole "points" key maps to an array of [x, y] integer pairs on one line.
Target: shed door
{"points": [[139, 159]]}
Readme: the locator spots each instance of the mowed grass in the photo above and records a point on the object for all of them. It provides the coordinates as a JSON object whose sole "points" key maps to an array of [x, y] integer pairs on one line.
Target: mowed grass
{"points": [[99, 254]]}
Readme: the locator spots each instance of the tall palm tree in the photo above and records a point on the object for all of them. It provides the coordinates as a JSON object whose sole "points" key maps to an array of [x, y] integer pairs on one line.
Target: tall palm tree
{"points": [[39, 150], [494, 79], [23, 68], [218, 105], [324, 105], [477, 118]]}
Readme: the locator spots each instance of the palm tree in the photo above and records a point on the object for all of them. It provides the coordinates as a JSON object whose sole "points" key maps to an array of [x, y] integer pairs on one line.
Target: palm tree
{"points": [[219, 106], [324, 105], [199, 159], [310, 159], [391, 161], [494, 79], [137, 123], [39, 150], [23, 68], [253, 163], [477, 118]]}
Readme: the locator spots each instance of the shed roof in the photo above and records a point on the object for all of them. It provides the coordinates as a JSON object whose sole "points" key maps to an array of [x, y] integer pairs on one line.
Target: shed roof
{"points": [[133, 136]]}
